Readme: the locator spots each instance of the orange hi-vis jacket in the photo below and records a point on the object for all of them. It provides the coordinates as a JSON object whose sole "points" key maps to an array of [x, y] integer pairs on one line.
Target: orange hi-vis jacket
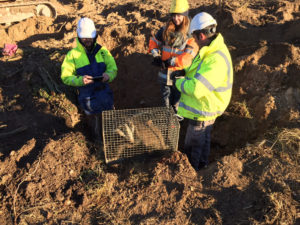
{"points": [[181, 56]]}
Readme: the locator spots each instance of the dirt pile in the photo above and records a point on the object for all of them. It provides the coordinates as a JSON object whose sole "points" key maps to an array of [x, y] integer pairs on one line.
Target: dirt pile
{"points": [[51, 173]]}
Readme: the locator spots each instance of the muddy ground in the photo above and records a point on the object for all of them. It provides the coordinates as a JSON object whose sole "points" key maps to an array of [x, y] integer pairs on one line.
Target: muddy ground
{"points": [[52, 173]]}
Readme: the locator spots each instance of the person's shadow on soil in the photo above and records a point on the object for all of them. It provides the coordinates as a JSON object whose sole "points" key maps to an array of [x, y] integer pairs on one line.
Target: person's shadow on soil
{"points": [[32, 99]]}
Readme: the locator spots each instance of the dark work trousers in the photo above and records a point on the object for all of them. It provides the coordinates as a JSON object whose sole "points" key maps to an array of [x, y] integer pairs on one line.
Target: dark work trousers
{"points": [[170, 96], [197, 142], [95, 126]]}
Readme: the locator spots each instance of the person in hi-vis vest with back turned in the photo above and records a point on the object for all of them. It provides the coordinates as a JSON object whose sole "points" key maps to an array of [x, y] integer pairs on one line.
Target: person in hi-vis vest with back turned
{"points": [[205, 89]]}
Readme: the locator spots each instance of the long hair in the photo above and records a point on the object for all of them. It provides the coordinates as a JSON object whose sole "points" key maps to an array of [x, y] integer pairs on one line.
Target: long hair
{"points": [[171, 28]]}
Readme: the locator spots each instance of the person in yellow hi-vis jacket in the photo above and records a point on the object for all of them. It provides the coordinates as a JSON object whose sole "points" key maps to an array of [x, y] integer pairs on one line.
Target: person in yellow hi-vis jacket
{"points": [[206, 88], [90, 67]]}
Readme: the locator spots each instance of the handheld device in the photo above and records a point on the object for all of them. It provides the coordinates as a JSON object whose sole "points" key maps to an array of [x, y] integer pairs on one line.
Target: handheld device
{"points": [[98, 78]]}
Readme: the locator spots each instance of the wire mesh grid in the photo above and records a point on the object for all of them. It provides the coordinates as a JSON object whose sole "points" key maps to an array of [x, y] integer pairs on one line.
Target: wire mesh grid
{"points": [[131, 132]]}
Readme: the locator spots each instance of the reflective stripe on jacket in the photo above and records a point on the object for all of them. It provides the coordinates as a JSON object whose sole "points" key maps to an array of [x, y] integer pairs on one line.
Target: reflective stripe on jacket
{"points": [[183, 55], [207, 86]]}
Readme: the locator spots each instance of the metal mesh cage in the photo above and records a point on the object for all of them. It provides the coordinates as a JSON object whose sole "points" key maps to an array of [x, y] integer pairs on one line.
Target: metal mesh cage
{"points": [[131, 132]]}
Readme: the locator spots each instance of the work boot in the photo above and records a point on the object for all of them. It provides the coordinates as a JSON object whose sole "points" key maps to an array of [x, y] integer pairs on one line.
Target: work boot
{"points": [[94, 124], [97, 130], [202, 166]]}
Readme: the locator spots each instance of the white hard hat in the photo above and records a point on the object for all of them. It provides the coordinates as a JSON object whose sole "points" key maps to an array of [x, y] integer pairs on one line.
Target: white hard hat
{"points": [[86, 28], [201, 21]]}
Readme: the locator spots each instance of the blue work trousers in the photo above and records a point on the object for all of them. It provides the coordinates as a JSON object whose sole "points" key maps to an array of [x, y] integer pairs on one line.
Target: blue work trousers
{"points": [[197, 142], [95, 101]]}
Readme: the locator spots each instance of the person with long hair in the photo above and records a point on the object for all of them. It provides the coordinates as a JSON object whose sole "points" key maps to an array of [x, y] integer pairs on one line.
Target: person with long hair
{"points": [[173, 49]]}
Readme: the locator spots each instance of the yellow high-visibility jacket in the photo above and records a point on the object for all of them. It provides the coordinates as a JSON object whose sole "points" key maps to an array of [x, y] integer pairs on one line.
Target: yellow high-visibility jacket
{"points": [[207, 87], [78, 63], [97, 96]]}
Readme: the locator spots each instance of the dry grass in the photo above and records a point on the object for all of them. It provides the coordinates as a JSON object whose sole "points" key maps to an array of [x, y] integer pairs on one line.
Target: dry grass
{"points": [[274, 214], [241, 109], [288, 142]]}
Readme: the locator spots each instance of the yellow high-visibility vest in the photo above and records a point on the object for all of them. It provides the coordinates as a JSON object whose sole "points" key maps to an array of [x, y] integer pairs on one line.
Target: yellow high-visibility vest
{"points": [[207, 87]]}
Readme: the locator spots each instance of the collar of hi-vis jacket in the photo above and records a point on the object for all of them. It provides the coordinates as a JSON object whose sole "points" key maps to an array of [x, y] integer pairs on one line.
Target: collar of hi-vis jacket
{"points": [[90, 54], [81, 48], [214, 46]]}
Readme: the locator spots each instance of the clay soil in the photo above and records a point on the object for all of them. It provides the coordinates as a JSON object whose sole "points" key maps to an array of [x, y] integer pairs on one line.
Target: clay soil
{"points": [[51, 172]]}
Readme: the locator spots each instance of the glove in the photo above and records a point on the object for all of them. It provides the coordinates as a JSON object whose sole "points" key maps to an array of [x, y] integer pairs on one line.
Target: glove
{"points": [[169, 62], [178, 74], [157, 61], [166, 63]]}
